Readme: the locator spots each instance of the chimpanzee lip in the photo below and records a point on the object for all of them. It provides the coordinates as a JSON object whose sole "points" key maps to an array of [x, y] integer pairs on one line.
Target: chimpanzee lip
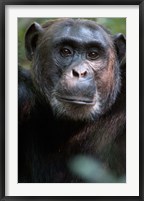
{"points": [[75, 100]]}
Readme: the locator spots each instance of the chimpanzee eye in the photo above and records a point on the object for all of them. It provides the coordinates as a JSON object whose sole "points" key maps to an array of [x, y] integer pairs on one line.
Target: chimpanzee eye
{"points": [[92, 55], [66, 52]]}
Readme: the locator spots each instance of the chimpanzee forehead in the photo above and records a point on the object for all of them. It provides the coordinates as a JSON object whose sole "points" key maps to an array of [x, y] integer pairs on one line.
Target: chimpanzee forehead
{"points": [[82, 32]]}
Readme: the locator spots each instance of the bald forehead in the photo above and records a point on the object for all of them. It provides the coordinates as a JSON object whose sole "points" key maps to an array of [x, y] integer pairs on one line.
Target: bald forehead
{"points": [[81, 32]]}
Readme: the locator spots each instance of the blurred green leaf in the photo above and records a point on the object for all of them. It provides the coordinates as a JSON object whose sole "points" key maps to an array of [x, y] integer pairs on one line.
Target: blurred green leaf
{"points": [[92, 170]]}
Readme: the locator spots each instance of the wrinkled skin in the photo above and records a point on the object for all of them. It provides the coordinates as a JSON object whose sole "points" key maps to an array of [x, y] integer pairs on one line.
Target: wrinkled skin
{"points": [[72, 101]]}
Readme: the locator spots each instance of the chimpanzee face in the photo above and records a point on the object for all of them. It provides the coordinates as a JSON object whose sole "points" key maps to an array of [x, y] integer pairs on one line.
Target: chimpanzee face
{"points": [[76, 66]]}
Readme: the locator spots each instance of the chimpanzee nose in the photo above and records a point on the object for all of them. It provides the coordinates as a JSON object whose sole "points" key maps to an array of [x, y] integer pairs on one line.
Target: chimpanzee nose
{"points": [[80, 72]]}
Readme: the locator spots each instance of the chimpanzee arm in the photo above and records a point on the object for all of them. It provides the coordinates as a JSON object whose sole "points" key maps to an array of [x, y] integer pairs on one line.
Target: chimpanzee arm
{"points": [[26, 97]]}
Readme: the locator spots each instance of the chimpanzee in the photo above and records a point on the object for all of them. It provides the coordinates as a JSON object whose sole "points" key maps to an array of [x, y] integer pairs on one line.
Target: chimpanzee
{"points": [[72, 101]]}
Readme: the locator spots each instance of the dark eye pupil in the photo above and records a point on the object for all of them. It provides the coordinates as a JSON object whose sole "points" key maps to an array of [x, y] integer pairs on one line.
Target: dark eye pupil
{"points": [[92, 55], [65, 52]]}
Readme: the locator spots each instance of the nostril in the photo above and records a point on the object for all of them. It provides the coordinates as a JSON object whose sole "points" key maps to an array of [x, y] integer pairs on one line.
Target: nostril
{"points": [[83, 74], [75, 73], [79, 73]]}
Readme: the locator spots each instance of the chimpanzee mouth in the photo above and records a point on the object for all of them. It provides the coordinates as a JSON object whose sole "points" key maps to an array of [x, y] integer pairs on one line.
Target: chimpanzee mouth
{"points": [[74, 100]]}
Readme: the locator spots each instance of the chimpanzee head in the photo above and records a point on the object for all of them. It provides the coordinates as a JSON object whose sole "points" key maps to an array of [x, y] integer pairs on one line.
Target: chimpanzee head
{"points": [[76, 66]]}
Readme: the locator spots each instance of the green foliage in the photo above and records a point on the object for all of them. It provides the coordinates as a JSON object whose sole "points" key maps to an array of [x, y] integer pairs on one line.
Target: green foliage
{"points": [[93, 170]]}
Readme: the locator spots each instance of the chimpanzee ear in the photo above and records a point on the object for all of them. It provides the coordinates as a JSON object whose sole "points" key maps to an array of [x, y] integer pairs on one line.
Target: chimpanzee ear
{"points": [[120, 45], [31, 38]]}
